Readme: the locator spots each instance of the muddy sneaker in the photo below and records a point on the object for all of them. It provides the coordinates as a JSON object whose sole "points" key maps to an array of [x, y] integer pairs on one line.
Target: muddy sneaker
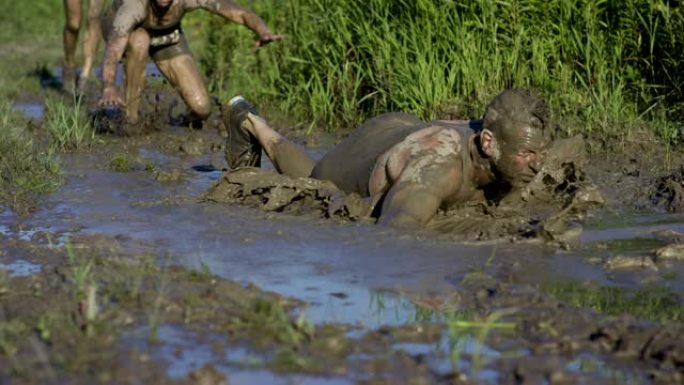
{"points": [[242, 148]]}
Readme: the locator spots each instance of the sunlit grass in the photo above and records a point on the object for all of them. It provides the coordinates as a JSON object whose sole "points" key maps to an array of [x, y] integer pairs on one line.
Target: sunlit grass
{"points": [[344, 61], [68, 124]]}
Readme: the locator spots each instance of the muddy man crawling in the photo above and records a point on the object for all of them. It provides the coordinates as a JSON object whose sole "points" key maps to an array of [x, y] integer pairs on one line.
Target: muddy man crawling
{"points": [[142, 28], [409, 168]]}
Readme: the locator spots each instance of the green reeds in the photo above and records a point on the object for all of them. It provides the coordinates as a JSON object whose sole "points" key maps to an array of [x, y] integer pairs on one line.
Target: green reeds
{"points": [[68, 124]]}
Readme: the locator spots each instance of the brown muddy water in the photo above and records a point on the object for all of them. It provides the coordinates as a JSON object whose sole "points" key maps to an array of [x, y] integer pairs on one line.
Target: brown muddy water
{"points": [[373, 280]]}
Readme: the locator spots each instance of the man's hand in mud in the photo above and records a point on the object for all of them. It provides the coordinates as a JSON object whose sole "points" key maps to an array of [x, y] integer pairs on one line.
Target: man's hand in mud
{"points": [[110, 98], [267, 39]]}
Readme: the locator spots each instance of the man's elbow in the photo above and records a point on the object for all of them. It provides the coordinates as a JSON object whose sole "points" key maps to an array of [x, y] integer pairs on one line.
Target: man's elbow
{"points": [[401, 221]]}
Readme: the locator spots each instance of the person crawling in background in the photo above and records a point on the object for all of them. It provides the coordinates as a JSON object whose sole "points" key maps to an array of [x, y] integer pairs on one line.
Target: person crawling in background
{"points": [[152, 28], [408, 168]]}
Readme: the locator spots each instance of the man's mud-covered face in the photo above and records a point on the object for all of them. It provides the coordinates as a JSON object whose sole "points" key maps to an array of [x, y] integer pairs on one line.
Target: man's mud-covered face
{"points": [[521, 155]]}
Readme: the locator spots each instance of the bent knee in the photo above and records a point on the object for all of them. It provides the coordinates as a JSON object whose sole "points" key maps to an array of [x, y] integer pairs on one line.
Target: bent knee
{"points": [[139, 42], [72, 24], [200, 105]]}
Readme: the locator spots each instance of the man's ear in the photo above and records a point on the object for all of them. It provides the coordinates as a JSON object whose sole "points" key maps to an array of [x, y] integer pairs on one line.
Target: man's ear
{"points": [[489, 145]]}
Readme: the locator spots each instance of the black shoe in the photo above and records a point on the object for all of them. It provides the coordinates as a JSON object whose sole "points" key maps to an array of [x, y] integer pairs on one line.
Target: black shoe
{"points": [[242, 148]]}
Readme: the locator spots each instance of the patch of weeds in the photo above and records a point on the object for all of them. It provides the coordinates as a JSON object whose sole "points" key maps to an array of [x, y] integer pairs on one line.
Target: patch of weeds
{"points": [[81, 271], [84, 288], [271, 320], [154, 317], [121, 162], [68, 124], [202, 274], [658, 304], [26, 169], [633, 244], [10, 332], [150, 166], [288, 360]]}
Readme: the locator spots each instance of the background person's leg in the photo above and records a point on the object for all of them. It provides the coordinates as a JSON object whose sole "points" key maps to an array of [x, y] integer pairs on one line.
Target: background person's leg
{"points": [[92, 37], [136, 59], [184, 75], [72, 13]]}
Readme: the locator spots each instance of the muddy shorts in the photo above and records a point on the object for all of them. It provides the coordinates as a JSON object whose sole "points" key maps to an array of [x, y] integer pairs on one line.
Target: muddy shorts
{"points": [[168, 43]]}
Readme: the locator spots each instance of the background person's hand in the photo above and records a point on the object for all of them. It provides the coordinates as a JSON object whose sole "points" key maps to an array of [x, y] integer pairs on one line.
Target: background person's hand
{"points": [[110, 98], [267, 39]]}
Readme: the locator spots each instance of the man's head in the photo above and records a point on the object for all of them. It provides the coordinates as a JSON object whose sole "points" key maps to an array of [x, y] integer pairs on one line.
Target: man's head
{"points": [[514, 134]]}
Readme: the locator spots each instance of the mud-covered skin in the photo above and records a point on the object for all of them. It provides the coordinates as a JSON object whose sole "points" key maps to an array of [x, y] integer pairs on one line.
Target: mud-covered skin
{"points": [[428, 163], [72, 26], [130, 26]]}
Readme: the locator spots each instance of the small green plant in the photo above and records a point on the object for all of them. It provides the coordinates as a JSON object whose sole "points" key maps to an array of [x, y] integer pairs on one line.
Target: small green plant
{"points": [[272, 320], [81, 272], [120, 162], [154, 318], [461, 329], [68, 125]]}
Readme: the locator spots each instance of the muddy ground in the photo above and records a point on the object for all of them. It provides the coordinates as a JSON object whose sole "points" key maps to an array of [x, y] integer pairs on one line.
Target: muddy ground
{"points": [[131, 273]]}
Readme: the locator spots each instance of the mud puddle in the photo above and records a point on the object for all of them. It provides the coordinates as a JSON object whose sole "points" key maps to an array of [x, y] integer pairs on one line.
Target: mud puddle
{"points": [[336, 268]]}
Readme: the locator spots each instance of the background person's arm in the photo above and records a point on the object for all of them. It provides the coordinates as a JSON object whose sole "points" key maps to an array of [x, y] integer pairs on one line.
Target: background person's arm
{"points": [[240, 15]]}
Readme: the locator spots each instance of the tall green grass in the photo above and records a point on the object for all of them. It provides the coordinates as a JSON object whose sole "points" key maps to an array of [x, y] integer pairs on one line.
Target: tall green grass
{"points": [[607, 67]]}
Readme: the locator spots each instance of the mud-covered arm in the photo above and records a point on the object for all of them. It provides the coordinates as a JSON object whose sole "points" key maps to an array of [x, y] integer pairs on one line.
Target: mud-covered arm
{"points": [[240, 15], [419, 192], [127, 17]]}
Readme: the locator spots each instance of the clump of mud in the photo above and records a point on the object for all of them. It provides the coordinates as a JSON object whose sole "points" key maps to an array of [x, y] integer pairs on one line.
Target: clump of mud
{"points": [[668, 191], [548, 208], [280, 193]]}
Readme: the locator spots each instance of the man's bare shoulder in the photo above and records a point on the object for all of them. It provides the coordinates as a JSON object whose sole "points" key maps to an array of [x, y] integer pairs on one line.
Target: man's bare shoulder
{"points": [[435, 139]]}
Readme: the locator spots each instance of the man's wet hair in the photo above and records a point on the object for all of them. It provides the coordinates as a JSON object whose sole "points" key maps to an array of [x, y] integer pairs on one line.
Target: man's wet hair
{"points": [[515, 108]]}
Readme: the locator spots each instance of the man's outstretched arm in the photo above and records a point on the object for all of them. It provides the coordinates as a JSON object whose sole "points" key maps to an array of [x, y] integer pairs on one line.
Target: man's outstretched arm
{"points": [[417, 195]]}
